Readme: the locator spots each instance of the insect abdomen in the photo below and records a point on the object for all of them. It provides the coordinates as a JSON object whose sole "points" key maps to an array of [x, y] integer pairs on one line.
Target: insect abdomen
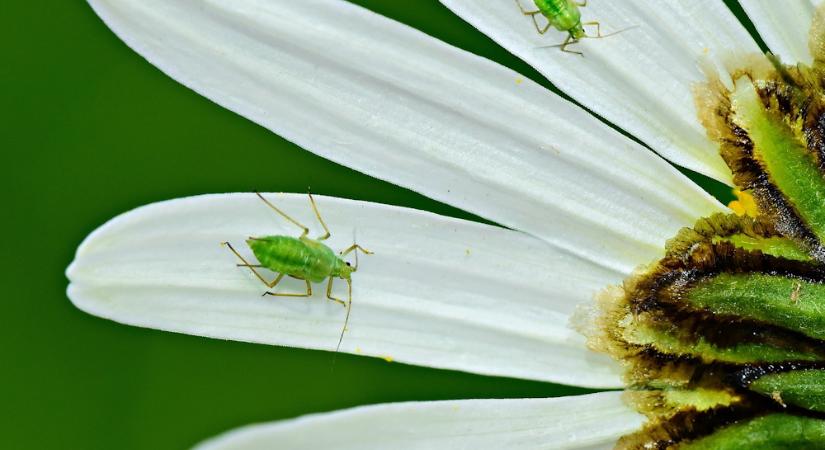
{"points": [[551, 7], [292, 256], [562, 14]]}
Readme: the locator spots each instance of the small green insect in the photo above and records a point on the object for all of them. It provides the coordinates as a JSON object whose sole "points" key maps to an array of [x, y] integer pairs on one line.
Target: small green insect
{"points": [[302, 258], [563, 15]]}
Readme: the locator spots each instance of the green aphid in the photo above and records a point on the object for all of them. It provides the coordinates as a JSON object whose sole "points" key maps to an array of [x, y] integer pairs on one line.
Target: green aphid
{"points": [[302, 258], [563, 15]]}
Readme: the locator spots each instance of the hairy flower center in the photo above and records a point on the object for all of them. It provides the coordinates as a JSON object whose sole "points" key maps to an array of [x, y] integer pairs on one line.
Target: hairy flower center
{"points": [[723, 339]]}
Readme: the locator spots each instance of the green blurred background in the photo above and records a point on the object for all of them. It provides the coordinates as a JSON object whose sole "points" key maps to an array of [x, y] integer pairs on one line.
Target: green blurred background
{"points": [[90, 130]]}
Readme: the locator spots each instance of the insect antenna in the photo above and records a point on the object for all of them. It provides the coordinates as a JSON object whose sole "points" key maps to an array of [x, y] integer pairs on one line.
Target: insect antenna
{"points": [[349, 299], [573, 41], [346, 319], [353, 248], [600, 36], [346, 323], [355, 242], [285, 215]]}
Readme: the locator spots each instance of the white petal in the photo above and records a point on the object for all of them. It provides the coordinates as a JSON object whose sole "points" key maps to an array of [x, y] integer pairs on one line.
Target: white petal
{"points": [[589, 422], [437, 292], [640, 79], [784, 26], [392, 102]]}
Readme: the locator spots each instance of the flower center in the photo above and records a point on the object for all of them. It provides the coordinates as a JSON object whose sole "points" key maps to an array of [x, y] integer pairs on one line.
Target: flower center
{"points": [[723, 339]]}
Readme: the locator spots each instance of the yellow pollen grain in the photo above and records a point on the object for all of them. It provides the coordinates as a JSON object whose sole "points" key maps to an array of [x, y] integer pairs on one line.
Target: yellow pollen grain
{"points": [[387, 358], [519, 80], [744, 205]]}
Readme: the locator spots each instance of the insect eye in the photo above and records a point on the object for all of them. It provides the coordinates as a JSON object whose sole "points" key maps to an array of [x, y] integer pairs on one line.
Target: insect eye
{"points": [[347, 263]]}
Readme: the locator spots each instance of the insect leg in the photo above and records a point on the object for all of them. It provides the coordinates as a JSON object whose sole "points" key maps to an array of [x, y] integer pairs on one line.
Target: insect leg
{"points": [[283, 214], [308, 293], [533, 15], [539, 29], [356, 247], [252, 267], [329, 293], [582, 4], [525, 12], [598, 29], [318, 215], [568, 41]]}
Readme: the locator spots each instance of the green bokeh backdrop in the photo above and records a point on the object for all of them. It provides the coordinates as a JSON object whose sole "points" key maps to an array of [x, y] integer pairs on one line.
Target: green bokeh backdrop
{"points": [[90, 130]]}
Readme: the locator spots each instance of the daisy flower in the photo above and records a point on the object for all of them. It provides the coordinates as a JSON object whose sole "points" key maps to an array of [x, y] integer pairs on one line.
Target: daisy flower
{"points": [[579, 204]]}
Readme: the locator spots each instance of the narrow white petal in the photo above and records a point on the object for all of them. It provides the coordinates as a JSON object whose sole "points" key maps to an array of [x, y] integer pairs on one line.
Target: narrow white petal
{"points": [[784, 26], [395, 103], [639, 79], [437, 292], [589, 422]]}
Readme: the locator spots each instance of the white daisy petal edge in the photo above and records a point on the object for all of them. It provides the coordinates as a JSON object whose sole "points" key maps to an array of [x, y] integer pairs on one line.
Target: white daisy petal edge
{"points": [[392, 102], [783, 26], [438, 292], [587, 422], [639, 79]]}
